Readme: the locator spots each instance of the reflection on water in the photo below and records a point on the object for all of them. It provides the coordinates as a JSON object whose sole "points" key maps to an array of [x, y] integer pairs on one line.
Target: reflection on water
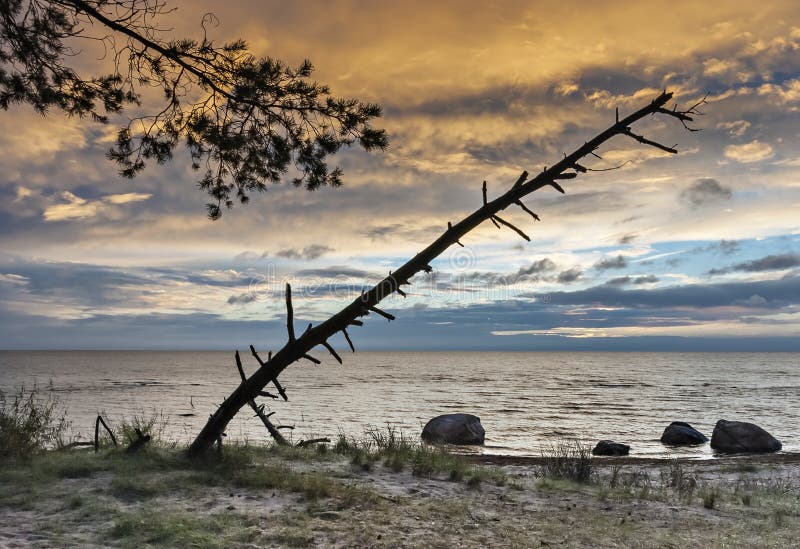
{"points": [[525, 400]]}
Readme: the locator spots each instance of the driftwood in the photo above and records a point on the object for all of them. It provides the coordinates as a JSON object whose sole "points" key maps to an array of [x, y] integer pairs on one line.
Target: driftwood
{"points": [[297, 348], [138, 443], [96, 442], [311, 441], [98, 422], [76, 444]]}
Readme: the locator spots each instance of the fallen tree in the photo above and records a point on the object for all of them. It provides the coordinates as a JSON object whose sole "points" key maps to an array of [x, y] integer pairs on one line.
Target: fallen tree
{"points": [[297, 348]]}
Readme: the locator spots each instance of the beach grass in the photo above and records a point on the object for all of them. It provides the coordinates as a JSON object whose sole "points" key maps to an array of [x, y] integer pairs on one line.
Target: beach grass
{"points": [[387, 489]]}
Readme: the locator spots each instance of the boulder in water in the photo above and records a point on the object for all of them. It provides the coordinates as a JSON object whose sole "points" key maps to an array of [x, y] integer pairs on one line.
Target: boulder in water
{"points": [[679, 433], [739, 437], [454, 429], [610, 448]]}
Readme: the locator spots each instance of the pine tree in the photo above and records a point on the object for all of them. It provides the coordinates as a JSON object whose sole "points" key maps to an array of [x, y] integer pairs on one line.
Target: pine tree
{"points": [[247, 121]]}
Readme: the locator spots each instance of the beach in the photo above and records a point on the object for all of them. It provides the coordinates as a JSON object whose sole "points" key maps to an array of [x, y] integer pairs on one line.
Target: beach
{"points": [[342, 496]]}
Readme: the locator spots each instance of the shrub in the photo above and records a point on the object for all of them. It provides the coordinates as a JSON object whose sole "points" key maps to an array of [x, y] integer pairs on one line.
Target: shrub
{"points": [[568, 459], [153, 423], [677, 478], [30, 421], [709, 496], [397, 450]]}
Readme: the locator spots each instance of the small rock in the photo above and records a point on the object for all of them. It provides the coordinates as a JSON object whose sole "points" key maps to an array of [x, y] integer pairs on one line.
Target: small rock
{"points": [[739, 437], [679, 433], [610, 448]]}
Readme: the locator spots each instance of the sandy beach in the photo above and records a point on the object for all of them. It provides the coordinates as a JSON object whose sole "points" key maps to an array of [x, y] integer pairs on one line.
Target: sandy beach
{"points": [[290, 497]]}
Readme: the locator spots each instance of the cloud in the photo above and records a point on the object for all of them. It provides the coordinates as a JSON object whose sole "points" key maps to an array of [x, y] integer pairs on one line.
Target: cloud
{"points": [[75, 208], [454, 122], [536, 268], [768, 263], [778, 293], [721, 247], [22, 193], [726, 247], [71, 289], [313, 251], [787, 93], [618, 262], [608, 100], [570, 275], [14, 279], [737, 128], [242, 299], [705, 191], [402, 231], [566, 88], [754, 300], [755, 151], [719, 67], [249, 255], [623, 280], [126, 198], [336, 271], [80, 208]]}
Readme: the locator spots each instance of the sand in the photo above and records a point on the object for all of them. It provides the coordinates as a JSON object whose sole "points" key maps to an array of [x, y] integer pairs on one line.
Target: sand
{"points": [[498, 502]]}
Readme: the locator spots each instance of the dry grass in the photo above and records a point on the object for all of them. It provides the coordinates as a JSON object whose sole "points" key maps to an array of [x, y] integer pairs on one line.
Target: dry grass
{"points": [[308, 497]]}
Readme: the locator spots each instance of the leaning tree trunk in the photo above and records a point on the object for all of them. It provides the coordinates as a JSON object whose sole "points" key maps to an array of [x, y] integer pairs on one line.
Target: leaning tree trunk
{"points": [[298, 348]]}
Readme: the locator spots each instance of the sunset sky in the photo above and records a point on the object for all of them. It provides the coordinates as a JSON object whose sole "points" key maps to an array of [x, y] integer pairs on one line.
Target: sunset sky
{"points": [[699, 251]]}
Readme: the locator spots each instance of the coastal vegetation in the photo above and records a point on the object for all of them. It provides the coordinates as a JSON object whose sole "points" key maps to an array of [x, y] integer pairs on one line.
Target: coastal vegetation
{"points": [[384, 489]]}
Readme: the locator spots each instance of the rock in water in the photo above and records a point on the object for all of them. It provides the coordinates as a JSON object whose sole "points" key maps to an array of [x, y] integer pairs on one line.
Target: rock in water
{"points": [[679, 433], [610, 448], [739, 437], [454, 429]]}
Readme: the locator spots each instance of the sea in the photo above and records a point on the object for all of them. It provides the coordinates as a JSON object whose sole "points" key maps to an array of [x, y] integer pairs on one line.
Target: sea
{"points": [[528, 402]]}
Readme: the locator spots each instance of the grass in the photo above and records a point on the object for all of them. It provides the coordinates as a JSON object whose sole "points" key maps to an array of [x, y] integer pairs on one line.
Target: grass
{"points": [[398, 452], [31, 421], [158, 498], [709, 495], [181, 529], [676, 477], [568, 460]]}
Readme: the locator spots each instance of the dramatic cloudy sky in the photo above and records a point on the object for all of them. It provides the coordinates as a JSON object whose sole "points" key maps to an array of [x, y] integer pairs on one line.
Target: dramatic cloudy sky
{"points": [[699, 251]]}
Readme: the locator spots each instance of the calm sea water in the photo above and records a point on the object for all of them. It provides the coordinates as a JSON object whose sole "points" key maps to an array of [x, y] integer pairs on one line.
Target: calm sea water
{"points": [[526, 401]]}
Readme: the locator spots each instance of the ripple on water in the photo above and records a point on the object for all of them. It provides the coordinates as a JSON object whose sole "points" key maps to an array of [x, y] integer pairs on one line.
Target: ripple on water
{"points": [[632, 396]]}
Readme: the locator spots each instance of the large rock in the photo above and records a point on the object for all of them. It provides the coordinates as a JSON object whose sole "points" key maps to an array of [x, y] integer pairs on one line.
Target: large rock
{"points": [[454, 429], [679, 433], [739, 437], [610, 448]]}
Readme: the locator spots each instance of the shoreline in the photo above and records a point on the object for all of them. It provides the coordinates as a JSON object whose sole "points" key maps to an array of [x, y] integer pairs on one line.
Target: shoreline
{"points": [[765, 458]]}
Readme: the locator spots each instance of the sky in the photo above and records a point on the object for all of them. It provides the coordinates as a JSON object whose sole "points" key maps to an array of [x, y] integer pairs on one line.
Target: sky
{"points": [[694, 252]]}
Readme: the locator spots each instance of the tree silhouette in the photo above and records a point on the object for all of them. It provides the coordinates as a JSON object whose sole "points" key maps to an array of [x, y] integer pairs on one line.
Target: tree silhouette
{"points": [[246, 121]]}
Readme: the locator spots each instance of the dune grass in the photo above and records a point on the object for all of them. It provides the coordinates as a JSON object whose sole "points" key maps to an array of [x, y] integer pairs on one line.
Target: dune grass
{"points": [[267, 495]]}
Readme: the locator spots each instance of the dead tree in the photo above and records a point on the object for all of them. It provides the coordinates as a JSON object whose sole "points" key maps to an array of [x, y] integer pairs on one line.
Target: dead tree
{"points": [[297, 348]]}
